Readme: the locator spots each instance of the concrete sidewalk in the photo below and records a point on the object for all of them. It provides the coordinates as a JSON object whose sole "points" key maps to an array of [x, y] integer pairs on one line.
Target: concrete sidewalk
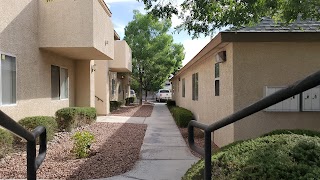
{"points": [[164, 154]]}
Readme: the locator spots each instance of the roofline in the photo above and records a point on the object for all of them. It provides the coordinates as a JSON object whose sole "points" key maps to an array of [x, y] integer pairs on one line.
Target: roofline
{"points": [[116, 35], [229, 37], [105, 7]]}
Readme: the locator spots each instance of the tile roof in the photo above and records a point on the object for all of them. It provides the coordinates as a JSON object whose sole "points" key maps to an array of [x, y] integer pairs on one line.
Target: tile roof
{"points": [[268, 25]]}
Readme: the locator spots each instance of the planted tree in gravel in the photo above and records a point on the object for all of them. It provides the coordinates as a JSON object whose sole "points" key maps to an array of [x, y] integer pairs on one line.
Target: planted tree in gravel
{"points": [[154, 54], [204, 17]]}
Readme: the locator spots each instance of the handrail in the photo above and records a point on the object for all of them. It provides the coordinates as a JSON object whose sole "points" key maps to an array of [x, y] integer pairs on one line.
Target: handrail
{"points": [[33, 162], [99, 99], [309, 82]]}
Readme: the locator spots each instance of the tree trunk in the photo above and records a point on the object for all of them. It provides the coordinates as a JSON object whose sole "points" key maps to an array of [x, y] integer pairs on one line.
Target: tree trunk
{"points": [[140, 102], [146, 95]]}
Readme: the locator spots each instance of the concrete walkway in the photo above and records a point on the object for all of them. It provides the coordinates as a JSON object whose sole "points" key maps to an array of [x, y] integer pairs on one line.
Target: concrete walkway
{"points": [[164, 154]]}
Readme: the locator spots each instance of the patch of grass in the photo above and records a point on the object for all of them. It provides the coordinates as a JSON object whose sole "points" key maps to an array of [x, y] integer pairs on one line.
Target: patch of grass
{"points": [[275, 156]]}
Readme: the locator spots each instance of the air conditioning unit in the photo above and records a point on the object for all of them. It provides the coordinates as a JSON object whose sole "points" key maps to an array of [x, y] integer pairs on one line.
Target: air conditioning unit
{"points": [[221, 56]]}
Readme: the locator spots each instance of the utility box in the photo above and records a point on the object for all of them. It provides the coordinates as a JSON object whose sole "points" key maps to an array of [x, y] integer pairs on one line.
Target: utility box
{"points": [[289, 105]]}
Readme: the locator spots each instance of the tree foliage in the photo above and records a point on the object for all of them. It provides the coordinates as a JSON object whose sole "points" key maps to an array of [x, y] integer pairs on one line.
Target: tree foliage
{"points": [[205, 16], [154, 55]]}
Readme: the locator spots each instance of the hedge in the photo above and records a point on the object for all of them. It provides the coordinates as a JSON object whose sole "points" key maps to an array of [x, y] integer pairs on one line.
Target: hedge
{"points": [[30, 123], [275, 156], [181, 116], [72, 117], [171, 103], [6, 141], [114, 105]]}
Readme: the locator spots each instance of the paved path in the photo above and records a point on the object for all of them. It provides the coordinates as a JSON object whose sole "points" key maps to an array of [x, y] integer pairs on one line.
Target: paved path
{"points": [[164, 154]]}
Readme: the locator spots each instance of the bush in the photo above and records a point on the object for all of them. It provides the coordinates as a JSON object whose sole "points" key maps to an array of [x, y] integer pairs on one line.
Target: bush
{"points": [[72, 117], [30, 123], [82, 143], [279, 156], [294, 131], [114, 105], [181, 116], [171, 102], [6, 141]]}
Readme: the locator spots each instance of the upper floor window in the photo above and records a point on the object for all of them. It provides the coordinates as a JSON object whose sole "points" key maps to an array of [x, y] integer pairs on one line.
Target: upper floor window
{"points": [[8, 79], [216, 79], [195, 88], [59, 83], [183, 87], [113, 86]]}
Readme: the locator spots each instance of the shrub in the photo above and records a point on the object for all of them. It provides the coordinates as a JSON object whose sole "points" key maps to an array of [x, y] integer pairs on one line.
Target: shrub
{"points": [[294, 131], [181, 116], [171, 102], [6, 141], [280, 156], [30, 123], [72, 117], [82, 143], [114, 105]]}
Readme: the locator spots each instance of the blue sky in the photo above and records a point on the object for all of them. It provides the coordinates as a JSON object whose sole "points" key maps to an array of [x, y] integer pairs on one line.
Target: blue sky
{"points": [[122, 13]]}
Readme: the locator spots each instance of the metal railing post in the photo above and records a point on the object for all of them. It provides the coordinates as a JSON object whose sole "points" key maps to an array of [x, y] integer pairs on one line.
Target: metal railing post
{"points": [[207, 155], [31, 156]]}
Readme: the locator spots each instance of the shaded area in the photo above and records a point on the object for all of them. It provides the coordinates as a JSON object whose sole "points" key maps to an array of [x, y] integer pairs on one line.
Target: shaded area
{"points": [[116, 148], [198, 140]]}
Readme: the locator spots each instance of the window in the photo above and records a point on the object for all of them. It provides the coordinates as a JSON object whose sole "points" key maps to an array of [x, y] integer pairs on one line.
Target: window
{"points": [[216, 79], [8, 79], [183, 87], [113, 86], [59, 83], [195, 88]]}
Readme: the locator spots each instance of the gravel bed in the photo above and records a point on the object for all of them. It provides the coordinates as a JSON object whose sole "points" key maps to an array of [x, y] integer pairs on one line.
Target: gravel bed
{"points": [[115, 150], [134, 111], [198, 140]]}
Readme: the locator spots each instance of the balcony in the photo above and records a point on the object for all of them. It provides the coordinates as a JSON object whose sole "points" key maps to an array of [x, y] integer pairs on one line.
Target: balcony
{"points": [[76, 29], [122, 57]]}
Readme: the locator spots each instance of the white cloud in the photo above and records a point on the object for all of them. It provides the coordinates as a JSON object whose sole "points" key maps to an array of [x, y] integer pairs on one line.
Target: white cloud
{"points": [[119, 28], [193, 47]]}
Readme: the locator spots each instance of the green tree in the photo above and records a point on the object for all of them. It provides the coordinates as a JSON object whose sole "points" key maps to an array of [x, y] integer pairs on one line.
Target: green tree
{"points": [[154, 54], [205, 16]]}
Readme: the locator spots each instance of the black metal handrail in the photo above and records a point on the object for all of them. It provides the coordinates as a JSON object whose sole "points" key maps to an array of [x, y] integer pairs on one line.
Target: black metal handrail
{"points": [[33, 161], [99, 99], [309, 82]]}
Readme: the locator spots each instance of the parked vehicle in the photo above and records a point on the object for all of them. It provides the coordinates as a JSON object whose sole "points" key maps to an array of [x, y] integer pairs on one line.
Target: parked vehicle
{"points": [[132, 93], [163, 94]]}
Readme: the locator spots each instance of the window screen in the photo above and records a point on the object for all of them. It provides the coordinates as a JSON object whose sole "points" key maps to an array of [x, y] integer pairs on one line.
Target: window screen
{"points": [[8, 79]]}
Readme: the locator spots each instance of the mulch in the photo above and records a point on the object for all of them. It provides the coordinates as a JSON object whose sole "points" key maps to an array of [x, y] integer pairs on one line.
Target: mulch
{"points": [[134, 110]]}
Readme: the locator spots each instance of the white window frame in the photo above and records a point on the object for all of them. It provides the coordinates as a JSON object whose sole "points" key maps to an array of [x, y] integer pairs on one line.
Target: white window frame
{"points": [[61, 67], [7, 54]]}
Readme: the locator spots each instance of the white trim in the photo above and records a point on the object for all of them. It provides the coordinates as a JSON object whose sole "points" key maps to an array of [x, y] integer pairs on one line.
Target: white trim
{"points": [[11, 55]]}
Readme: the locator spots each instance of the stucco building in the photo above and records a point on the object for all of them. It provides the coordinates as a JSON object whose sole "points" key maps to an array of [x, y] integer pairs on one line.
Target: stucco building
{"points": [[58, 54], [238, 68]]}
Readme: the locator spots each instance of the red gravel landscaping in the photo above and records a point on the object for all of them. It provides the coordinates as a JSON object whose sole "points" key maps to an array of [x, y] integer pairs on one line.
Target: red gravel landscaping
{"points": [[115, 150], [144, 110]]}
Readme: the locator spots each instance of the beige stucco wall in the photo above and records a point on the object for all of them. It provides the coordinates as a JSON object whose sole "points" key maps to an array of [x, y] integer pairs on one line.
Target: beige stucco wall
{"points": [[102, 87], [84, 85], [19, 37], [122, 57], [257, 65], [76, 29], [209, 108]]}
